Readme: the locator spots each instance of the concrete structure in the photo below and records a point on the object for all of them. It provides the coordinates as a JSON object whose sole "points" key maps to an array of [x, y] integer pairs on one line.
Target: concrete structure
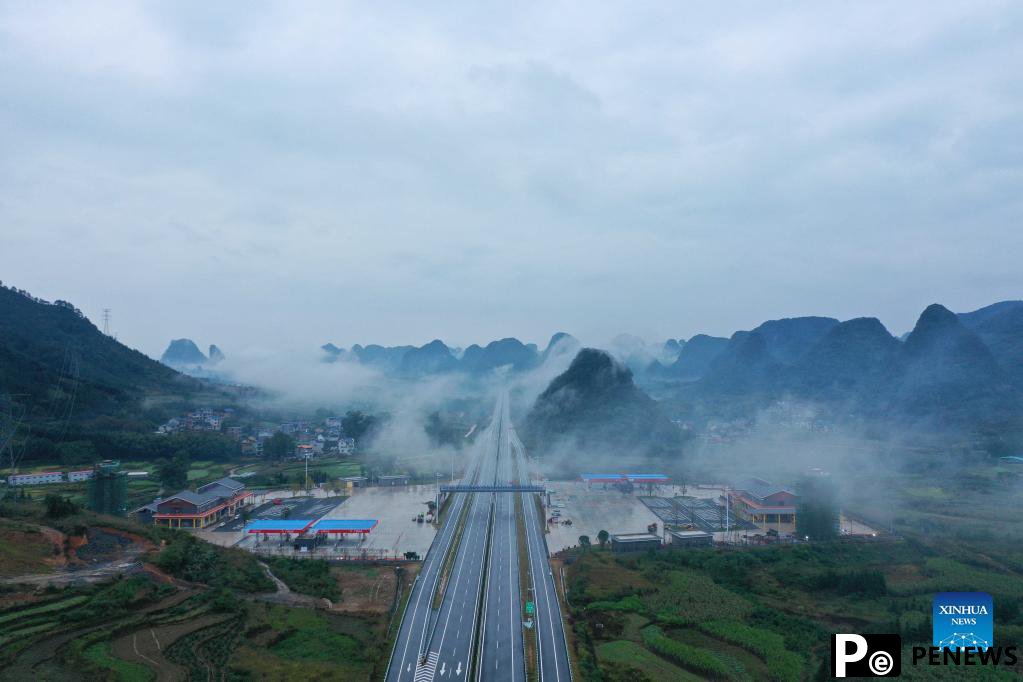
{"points": [[108, 488], [41, 478], [199, 509], [764, 504], [690, 538], [343, 526], [393, 480], [635, 479], [279, 526], [634, 542]]}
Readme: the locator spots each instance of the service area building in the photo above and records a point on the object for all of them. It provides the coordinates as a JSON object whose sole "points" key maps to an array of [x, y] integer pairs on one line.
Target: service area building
{"points": [[690, 538], [634, 542]]}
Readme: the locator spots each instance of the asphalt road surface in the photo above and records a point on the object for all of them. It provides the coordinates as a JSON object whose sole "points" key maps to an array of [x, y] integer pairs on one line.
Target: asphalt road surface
{"points": [[477, 631], [552, 646]]}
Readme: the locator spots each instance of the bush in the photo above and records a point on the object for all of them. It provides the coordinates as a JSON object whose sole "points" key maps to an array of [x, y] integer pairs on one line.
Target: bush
{"points": [[687, 656], [191, 559], [57, 507], [865, 583], [783, 665], [307, 576]]}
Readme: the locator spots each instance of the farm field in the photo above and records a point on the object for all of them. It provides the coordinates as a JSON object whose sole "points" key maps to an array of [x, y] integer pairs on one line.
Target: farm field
{"points": [[768, 613]]}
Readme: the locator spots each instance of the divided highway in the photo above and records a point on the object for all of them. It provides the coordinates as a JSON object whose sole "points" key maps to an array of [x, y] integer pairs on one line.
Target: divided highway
{"points": [[477, 630]]}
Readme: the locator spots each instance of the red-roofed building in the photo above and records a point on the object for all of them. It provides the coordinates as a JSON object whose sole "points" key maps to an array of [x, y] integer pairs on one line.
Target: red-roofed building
{"points": [[766, 505]]}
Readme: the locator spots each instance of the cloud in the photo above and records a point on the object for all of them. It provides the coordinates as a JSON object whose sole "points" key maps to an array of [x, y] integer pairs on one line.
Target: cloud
{"points": [[285, 175]]}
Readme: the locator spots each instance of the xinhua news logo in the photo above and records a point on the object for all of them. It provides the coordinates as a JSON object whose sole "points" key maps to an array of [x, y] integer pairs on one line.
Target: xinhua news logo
{"points": [[963, 636], [866, 655], [963, 620]]}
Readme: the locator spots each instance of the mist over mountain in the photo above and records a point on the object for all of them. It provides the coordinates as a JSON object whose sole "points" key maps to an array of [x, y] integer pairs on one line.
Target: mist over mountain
{"points": [[851, 361], [786, 340], [506, 352], [215, 355], [182, 352], [942, 378], [594, 408], [694, 358], [437, 357], [1000, 327], [561, 343], [433, 358]]}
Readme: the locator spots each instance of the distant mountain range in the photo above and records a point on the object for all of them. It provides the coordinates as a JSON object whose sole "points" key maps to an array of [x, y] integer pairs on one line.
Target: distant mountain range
{"points": [[952, 371], [437, 357], [183, 354], [55, 365]]}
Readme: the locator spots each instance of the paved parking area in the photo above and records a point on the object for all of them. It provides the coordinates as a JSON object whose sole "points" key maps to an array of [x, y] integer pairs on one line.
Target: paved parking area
{"points": [[394, 508], [300, 508], [595, 509]]}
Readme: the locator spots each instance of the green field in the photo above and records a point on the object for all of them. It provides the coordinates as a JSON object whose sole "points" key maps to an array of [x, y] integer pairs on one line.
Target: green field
{"points": [[626, 655], [768, 613]]}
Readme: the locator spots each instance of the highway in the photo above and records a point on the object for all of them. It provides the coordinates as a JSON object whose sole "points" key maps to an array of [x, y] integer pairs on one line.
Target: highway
{"points": [[552, 645], [501, 653], [478, 630], [420, 618]]}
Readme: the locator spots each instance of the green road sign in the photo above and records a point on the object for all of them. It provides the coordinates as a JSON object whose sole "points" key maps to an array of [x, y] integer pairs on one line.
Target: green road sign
{"points": [[530, 608]]}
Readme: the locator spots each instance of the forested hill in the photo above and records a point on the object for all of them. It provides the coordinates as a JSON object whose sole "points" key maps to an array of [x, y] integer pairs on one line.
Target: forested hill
{"points": [[595, 408], [55, 365]]}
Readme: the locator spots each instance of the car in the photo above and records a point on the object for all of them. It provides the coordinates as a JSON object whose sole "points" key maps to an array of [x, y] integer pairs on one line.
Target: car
{"points": [[278, 500]]}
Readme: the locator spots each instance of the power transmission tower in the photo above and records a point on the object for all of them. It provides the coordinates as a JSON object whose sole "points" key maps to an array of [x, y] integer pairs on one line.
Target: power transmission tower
{"points": [[106, 321]]}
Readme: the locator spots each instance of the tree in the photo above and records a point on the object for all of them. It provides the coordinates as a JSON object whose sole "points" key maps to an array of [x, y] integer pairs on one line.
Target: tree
{"points": [[279, 446], [357, 424], [602, 537], [77, 452], [173, 473], [57, 507], [817, 510], [584, 541]]}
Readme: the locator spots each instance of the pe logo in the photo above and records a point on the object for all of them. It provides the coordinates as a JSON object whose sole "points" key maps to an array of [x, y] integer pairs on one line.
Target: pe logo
{"points": [[866, 655], [963, 620]]}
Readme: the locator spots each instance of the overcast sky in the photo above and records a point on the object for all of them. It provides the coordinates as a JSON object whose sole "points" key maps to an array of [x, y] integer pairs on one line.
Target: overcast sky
{"points": [[271, 175]]}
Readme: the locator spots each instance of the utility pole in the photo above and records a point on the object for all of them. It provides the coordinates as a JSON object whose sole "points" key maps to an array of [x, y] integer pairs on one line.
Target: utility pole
{"points": [[728, 504]]}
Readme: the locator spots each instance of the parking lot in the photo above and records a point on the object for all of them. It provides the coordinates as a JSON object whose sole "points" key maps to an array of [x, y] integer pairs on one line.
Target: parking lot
{"points": [[394, 508], [297, 508], [595, 509]]}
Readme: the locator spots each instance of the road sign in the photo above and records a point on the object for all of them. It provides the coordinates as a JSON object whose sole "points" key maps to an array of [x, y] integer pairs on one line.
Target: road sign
{"points": [[530, 608]]}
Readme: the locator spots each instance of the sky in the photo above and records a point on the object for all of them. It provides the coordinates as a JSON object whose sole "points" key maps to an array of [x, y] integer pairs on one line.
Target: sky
{"points": [[280, 175]]}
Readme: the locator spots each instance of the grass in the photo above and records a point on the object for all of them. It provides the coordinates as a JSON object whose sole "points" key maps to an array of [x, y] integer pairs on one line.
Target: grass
{"points": [[99, 655], [632, 656], [769, 612], [23, 549], [696, 659], [286, 643], [63, 604], [306, 576]]}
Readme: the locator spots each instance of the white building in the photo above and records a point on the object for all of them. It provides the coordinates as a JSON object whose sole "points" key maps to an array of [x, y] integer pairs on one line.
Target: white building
{"points": [[41, 478], [78, 476]]}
